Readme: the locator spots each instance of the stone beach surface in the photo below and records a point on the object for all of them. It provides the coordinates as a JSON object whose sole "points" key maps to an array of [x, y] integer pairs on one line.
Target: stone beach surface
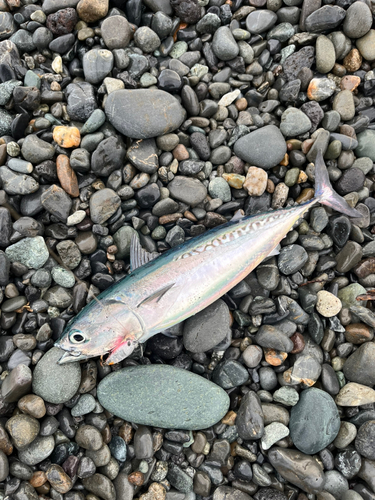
{"points": [[163, 118]]}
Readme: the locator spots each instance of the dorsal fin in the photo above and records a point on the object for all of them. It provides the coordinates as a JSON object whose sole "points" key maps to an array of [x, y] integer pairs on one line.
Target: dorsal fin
{"points": [[138, 255]]}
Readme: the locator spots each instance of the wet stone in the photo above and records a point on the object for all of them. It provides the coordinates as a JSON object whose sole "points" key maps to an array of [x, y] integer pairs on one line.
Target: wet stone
{"points": [[306, 425], [230, 374], [170, 409], [53, 382], [167, 114]]}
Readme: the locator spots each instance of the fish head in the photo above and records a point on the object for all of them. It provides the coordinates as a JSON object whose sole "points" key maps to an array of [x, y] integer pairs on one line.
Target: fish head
{"points": [[96, 331]]}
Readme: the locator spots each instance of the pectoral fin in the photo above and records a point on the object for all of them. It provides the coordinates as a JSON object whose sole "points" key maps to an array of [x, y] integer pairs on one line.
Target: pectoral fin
{"points": [[238, 215], [155, 297], [138, 256]]}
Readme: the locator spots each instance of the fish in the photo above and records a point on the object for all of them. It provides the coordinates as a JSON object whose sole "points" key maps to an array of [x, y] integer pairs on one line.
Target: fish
{"points": [[162, 291]]}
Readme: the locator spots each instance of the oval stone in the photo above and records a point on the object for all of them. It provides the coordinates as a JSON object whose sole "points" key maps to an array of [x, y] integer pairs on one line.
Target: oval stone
{"points": [[314, 421], [53, 382], [163, 396], [144, 113]]}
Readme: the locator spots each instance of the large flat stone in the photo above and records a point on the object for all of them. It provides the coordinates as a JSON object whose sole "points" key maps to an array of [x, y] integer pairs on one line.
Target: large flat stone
{"points": [[163, 396], [144, 113]]}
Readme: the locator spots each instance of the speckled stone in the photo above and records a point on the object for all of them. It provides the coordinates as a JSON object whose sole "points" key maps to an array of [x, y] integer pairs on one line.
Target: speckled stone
{"points": [[53, 382], [32, 252], [157, 395]]}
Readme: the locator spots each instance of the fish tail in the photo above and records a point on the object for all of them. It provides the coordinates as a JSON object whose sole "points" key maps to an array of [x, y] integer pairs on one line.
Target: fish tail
{"points": [[324, 192]]}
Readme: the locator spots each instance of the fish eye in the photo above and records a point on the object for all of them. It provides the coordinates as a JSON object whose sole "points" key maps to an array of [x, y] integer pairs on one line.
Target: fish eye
{"points": [[77, 337]]}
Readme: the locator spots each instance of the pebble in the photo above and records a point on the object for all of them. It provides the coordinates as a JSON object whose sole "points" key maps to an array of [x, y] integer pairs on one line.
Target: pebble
{"points": [[254, 147], [300, 469], [167, 114], [328, 305], [53, 382], [313, 431], [273, 433], [207, 328], [31, 252], [173, 408], [353, 394]]}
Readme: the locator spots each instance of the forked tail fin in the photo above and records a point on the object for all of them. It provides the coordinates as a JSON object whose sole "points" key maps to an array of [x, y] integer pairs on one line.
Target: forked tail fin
{"points": [[324, 192]]}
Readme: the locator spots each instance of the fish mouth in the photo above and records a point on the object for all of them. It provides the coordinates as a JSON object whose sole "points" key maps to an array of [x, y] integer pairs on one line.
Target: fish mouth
{"points": [[69, 355]]}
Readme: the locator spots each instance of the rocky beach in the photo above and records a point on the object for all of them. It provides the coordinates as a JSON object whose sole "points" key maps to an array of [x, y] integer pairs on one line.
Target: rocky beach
{"points": [[163, 119]]}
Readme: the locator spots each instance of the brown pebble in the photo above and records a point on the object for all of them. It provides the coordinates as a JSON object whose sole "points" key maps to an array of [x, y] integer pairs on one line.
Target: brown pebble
{"points": [[137, 478], [166, 219], [350, 82], [298, 342], [67, 137], [92, 10], [112, 249], [285, 161], [106, 434], [180, 152], [87, 242], [32, 405], [358, 333], [348, 130], [236, 165], [306, 145], [155, 492], [270, 186], [67, 176], [306, 195], [365, 268], [58, 479], [241, 104], [229, 418], [353, 60], [189, 215], [213, 219], [55, 86], [273, 357], [5, 443], [38, 479], [126, 432]]}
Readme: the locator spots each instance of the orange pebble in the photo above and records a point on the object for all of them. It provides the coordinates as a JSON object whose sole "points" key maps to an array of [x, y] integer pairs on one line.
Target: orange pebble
{"points": [[273, 357], [67, 137], [67, 176]]}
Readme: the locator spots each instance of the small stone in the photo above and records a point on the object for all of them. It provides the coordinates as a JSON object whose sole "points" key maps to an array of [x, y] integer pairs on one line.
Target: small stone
{"points": [[224, 45], [273, 433], [37, 451], [103, 204], [366, 46], [53, 382], [97, 64], [299, 469], [146, 39], [116, 32], [328, 305], [320, 89], [325, 54], [287, 396], [100, 485], [256, 181], [353, 394], [58, 479], [294, 122], [343, 103], [67, 176], [357, 22], [352, 62], [260, 21], [32, 252], [254, 147], [312, 431], [67, 137], [23, 430], [366, 144], [250, 418], [92, 10]]}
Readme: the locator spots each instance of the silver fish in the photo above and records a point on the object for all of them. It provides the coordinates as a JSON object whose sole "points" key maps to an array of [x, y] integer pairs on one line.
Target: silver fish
{"points": [[162, 292]]}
